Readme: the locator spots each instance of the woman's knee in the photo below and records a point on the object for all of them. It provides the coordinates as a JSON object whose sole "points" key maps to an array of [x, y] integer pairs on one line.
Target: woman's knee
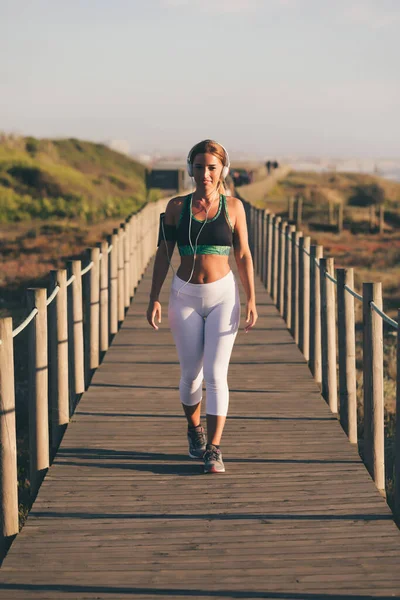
{"points": [[192, 375], [215, 378]]}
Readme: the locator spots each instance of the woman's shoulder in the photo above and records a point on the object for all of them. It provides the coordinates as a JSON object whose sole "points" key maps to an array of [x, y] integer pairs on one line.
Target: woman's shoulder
{"points": [[234, 204], [175, 207], [176, 204]]}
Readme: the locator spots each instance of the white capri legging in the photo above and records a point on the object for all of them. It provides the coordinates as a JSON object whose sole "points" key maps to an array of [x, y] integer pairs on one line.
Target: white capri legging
{"points": [[204, 320]]}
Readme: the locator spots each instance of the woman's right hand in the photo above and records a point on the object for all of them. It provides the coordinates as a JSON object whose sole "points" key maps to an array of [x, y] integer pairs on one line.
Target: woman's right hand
{"points": [[153, 312]]}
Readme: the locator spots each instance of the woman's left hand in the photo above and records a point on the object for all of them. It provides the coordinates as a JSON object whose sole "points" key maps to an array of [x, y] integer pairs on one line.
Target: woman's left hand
{"points": [[251, 315]]}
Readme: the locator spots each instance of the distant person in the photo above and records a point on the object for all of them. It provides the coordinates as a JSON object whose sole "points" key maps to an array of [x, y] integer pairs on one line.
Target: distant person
{"points": [[204, 306], [268, 165]]}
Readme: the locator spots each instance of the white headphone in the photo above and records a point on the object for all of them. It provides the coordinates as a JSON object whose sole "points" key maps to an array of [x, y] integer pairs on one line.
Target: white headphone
{"points": [[225, 169]]}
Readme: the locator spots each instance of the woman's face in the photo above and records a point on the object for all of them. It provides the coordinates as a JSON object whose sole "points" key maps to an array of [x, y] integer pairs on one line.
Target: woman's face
{"points": [[207, 170]]}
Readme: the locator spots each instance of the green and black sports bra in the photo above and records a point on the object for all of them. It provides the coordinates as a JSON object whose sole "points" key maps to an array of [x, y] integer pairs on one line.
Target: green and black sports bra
{"points": [[216, 236]]}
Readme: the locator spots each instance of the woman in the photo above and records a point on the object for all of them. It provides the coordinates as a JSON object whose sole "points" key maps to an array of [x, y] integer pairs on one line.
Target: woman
{"points": [[204, 308]]}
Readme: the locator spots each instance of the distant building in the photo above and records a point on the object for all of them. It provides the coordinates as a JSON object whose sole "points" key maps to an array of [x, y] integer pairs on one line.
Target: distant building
{"points": [[166, 179]]}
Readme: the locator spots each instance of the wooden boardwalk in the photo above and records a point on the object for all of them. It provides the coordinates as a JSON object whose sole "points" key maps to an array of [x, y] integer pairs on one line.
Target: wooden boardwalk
{"points": [[124, 513]]}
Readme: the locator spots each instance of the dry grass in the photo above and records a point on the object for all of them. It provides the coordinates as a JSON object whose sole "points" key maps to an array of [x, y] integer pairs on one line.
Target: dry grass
{"points": [[29, 250]]}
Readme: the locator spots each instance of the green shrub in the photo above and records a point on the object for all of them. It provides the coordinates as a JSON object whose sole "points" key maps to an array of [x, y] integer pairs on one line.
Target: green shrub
{"points": [[365, 195], [32, 145]]}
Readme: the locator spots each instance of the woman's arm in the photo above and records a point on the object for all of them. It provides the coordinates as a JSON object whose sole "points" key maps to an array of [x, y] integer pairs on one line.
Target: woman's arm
{"points": [[244, 262], [161, 265]]}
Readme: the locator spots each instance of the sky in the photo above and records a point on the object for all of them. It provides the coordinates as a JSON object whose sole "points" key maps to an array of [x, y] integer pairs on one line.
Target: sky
{"points": [[263, 77]]}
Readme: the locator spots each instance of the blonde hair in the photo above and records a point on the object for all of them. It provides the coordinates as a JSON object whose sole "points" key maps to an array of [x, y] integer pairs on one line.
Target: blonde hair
{"points": [[211, 147]]}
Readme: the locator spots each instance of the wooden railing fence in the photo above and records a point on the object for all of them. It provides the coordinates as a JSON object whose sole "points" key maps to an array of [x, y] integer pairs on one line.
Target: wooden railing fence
{"points": [[302, 284], [69, 330], [88, 301]]}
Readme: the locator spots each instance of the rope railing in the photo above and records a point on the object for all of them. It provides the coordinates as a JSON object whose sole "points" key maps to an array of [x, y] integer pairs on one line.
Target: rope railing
{"points": [[49, 300], [331, 278], [353, 293], [91, 305], [383, 315], [317, 302], [33, 314], [53, 295], [25, 323], [87, 268]]}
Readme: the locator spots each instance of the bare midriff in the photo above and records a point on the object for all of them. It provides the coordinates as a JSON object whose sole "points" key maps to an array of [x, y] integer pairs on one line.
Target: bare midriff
{"points": [[207, 268]]}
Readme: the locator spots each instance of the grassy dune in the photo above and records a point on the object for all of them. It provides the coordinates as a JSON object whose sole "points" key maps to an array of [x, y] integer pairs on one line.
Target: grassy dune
{"points": [[56, 198], [41, 179]]}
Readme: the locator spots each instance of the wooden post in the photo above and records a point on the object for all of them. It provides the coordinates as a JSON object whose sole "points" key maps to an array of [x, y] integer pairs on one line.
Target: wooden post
{"points": [[304, 296], [287, 284], [316, 252], [143, 240], [248, 221], [381, 219], [149, 233], [249, 214], [397, 435], [92, 313], [113, 283], [8, 446], [328, 333], [255, 238], [121, 293], [58, 330], [155, 228], [104, 308], [138, 245], [281, 264], [347, 354], [133, 254], [127, 283], [38, 389], [330, 212], [296, 237], [340, 217], [75, 333], [290, 209], [259, 240], [299, 212], [270, 234], [275, 242], [372, 218], [373, 384], [136, 250], [264, 255]]}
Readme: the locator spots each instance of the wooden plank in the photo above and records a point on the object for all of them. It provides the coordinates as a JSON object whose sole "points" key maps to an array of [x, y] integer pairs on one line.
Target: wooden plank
{"points": [[123, 512]]}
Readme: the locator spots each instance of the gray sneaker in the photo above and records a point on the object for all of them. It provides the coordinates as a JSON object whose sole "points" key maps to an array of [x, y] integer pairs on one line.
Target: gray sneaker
{"points": [[197, 442], [213, 462]]}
